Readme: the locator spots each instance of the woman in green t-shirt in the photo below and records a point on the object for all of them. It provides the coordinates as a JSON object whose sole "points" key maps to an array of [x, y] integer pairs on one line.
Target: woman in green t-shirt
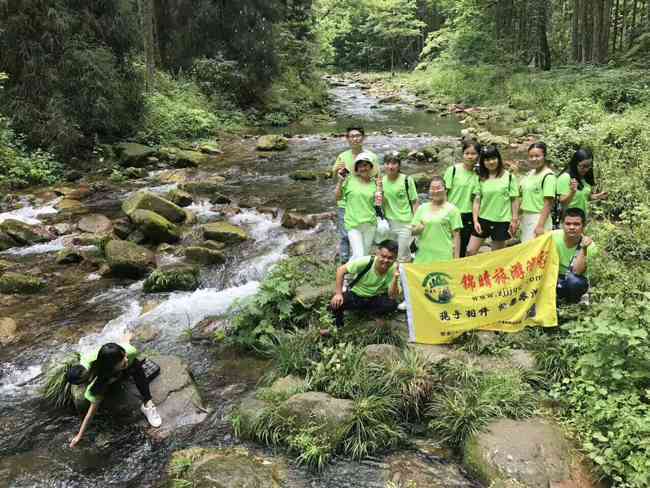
{"points": [[495, 206], [360, 192], [461, 180], [400, 202], [575, 184], [537, 194], [438, 224], [112, 364]]}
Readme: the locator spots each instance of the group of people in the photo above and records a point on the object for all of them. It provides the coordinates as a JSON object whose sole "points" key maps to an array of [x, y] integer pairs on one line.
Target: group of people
{"points": [[475, 199]]}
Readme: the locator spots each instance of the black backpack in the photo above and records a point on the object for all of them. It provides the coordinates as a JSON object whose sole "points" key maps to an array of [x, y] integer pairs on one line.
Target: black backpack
{"points": [[556, 208], [361, 274]]}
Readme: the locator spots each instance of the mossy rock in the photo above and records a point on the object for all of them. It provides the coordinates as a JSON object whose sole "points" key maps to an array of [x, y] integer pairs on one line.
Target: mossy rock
{"points": [[188, 159], [272, 142], [145, 200], [211, 149], [225, 468], [24, 234], [133, 154], [129, 259], [68, 256], [317, 407], [288, 386], [172, 278], [306, 175], [250, 411], [181, 198], [6, 242], [155, 227], [224, 232], [310, 295], [381, 354], [204, 255], [20, 284]]}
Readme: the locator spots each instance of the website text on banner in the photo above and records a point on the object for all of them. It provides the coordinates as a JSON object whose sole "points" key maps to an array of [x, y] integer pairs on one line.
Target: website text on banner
{"points": [[504, 290]]}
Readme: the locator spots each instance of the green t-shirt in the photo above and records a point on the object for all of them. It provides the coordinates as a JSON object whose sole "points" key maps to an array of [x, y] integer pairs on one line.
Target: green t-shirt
{"points": [[396, 201], [461, 185], [347, 159], [436, 243], [580, 198], [567, 253], [496, 197], [532, 193], [371, 284], [87, 359], [360, 202]]}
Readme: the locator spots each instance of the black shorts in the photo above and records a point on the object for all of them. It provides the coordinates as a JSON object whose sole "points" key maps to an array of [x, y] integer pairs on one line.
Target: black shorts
{"points": [[497, 231]]}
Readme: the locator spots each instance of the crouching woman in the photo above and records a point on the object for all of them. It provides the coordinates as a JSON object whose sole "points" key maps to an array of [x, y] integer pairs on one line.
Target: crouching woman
{"points": [[101, 371]]}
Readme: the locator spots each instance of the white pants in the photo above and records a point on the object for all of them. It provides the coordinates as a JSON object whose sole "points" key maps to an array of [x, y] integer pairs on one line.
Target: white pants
{"points": [[401, 232], [528, 224], [361, 238]]}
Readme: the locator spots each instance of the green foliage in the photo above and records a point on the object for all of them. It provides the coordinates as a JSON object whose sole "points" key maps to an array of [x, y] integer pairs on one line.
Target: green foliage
{"points": [[161, 280], [413, 380], [314, 446], [341, 371], [293, 353], [56, 390]]}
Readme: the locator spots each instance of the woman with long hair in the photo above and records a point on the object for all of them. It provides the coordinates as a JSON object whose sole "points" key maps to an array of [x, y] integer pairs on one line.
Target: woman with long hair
{"points": [[495, 209], [576, 183]]}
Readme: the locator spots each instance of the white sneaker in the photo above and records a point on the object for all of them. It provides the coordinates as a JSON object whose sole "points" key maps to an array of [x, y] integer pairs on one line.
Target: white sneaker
{"points": [[152, 415], [402, 306]]}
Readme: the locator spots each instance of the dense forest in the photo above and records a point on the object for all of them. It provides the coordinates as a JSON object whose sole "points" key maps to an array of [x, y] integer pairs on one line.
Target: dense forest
{"points": [[78, 77]]}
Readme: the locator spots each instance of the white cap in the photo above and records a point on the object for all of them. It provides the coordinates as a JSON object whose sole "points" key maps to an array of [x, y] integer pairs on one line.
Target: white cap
{"points": [[366, 156]]}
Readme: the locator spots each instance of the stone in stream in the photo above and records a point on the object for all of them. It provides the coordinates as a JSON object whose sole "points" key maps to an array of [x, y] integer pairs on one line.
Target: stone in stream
{"points": [[71, 205], [128, 259], [232, 467], [6, 242], [146, 200], [306, 175], [208, 186], [181, 158], [68, 256], [173, 391], [533, 452], [331, 412], [133, 154], [20, 284], [8, 330], [122, 227], [95, 224], [24, 234], [180, 198], [294, 220], [155, 227], [272, 142], [224, 232], [212, 149], [204, 255], [174, 277]]}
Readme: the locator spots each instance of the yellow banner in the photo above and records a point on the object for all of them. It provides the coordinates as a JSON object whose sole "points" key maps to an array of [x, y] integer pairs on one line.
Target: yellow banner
{"points": [[504, 290]]}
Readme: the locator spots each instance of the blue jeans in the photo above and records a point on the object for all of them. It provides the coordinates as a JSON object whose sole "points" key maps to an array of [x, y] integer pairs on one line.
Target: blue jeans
{"points": [[344, 244]]}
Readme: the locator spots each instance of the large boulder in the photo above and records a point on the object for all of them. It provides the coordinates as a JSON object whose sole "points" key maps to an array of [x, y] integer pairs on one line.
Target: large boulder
{"points": [[181, 198], [287, 386], [24, 234], [155, 227], [133, 154], [225, 468], [95, 224], [20, 284], [144, 200], [381, 354], [250, 411], [294, 220], [173, 391], [272, 143], [533, 452], [181, 158], [129, 259], [204, 255], [172, 278], [224, 232], [312, 406]]}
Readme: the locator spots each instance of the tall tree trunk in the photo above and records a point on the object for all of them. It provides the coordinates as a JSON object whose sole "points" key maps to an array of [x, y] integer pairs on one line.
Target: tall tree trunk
{"points": [[596, 30], [633, 23], [623, 25], [575, 31], [147, 10], [615, 22], [605, 31]]}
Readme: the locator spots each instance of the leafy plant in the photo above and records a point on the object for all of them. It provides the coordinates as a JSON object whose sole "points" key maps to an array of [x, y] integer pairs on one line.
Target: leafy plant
{"points": [[56, 390], [413, 381]]}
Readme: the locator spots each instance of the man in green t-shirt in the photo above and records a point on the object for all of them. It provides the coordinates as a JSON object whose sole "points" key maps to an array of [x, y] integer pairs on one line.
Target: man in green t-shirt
{"points": [[375, 287], [575, 250], [355, 136]]}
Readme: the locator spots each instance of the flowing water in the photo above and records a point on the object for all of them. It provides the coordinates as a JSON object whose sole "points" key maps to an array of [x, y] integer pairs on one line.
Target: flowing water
{"points": [[82, 309]]}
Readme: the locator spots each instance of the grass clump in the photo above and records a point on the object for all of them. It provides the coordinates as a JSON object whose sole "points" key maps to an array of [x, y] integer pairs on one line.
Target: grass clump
{"points": [[56, 389]]}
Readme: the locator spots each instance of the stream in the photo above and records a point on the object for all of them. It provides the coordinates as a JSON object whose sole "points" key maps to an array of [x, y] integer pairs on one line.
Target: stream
{"points": [[82, 309]]}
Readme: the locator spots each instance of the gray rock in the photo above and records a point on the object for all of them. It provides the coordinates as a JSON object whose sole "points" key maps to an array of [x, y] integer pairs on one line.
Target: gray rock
{"points": [[381, 354], [69, 256], [156, 228], [207, 186], [95, 224], [224, 232], [250, 410], [309, 295], [294, 220], [204, 255], [332, 412], [24, 234], [132, 154], [129, 259], [272, 143], [180, 198], [287, 386], [306, 175], [145, 200]]}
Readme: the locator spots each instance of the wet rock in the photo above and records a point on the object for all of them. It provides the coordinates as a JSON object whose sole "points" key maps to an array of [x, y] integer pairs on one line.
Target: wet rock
{"points": [[287, 386], [272, 143], [129, 259], [211, 149], [73, 192], [24, 234], [5, 265], [303, 174], [184, 158], [95, 224], [172, 278], [132, 154], [8, 330], [69, 256], [155, 227], [146, 333], [6, 242], [294, 220], [272, 211], [390, 99], [224, 232], [332, 412], [382, 354], [145, 200], [174, 176], [309, 295], [219, 199], [70, 205], [137, 237], [122, 227], [180, 198], [232, 467], [135, 173], [533, 452], [206, 187], [204, 255], [446, 156], [20, 284]]}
